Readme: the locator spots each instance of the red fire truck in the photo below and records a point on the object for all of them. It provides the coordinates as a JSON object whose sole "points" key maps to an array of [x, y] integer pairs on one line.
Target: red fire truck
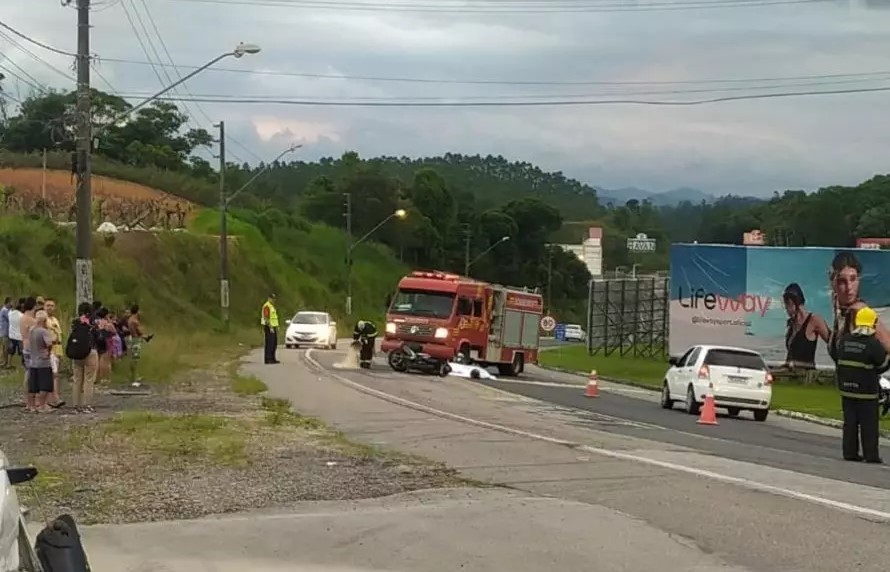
{"points": [[444, 314]]}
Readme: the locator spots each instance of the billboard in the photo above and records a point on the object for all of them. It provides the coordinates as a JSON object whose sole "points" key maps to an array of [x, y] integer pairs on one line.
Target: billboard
{"points": [[734, 295]]}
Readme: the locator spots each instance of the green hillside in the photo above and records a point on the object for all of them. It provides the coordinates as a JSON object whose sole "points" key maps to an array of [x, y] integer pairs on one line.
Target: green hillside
{"points": [[174, 275]]}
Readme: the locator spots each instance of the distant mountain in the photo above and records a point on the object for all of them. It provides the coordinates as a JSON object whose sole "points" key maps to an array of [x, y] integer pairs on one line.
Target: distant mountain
{"points": [[672, 197]]}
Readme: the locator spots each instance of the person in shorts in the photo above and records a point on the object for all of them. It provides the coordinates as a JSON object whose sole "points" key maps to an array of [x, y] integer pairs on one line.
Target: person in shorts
{"points": [[40, 372], [53, 325], [4, 331]]}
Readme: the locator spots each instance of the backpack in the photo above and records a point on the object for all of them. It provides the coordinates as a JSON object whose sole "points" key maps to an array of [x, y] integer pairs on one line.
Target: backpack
{"points": [[79, 343]]}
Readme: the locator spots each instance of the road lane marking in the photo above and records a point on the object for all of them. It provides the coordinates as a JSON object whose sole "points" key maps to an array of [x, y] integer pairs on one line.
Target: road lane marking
{"points": [[632, 457]]}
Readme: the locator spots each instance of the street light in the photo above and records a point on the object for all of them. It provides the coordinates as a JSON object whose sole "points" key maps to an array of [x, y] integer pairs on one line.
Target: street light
{"points": [[400, 214], [224, 202], [86, 137], [484, 252]]}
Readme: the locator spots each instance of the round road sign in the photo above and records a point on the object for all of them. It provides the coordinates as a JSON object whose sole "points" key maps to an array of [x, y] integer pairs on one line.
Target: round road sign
{"points": [[548, 323]]}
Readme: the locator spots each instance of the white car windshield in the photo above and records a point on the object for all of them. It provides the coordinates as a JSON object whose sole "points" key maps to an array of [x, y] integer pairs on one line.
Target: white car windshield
{"points": [[735, 358], [311, 318]]}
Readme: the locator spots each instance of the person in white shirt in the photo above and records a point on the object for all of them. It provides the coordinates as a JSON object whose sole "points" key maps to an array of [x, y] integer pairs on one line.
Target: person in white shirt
{"points": [[15, 332]]}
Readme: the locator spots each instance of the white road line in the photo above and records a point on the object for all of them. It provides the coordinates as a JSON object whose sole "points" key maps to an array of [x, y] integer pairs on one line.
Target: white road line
{"points": [[566, 385], [747, 483]]}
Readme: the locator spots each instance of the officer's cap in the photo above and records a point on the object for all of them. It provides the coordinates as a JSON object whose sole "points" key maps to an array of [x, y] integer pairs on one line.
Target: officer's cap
{"points": [[865, 318]]}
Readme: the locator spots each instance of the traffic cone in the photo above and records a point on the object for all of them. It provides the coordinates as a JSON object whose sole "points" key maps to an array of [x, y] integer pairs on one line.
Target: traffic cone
{"points": [[593, 388], [709, 409]]}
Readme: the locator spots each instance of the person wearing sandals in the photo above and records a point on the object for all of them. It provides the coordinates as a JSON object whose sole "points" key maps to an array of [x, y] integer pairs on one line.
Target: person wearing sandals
{"points": [[40, 372]]}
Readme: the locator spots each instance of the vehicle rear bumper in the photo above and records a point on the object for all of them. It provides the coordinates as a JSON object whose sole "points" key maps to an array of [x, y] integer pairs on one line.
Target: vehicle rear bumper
{"points": [[296, 341], [438, 351], [741, 397]]}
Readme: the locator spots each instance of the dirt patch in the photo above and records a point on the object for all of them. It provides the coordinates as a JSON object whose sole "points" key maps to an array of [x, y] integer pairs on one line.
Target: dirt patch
{"points": [[209, 443]]}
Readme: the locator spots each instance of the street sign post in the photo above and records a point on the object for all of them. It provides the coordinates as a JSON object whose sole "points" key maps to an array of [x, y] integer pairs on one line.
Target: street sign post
{"points": [[548, 324], [560, 333], [641, 243]]}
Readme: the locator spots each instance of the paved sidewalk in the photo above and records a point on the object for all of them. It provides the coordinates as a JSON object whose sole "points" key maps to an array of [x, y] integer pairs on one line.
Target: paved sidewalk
{"points": [[476, 530], [745, 528]]}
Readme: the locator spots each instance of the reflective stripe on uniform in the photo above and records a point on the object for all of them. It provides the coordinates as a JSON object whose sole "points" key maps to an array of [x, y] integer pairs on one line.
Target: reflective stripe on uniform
{"points": [[859, 395], [858, 364]]}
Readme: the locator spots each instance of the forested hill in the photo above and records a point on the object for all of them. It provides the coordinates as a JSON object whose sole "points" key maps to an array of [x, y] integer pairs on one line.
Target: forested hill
{"points": [[491, 180]]}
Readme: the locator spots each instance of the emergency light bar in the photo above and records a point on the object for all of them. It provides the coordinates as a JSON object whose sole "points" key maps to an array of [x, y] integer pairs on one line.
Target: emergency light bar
{"points": [[437, 275]]}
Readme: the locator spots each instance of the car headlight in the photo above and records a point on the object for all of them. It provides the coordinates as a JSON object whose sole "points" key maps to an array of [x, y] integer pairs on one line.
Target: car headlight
{"points": [[441, 333], [390, 327]]}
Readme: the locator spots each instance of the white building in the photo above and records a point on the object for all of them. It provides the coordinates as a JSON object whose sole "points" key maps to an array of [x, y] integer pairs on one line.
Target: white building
{"points": [[590, 252]]}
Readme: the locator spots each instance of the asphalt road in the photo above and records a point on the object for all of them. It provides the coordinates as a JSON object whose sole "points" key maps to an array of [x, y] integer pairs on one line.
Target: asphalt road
{"points": [[780, 443]]}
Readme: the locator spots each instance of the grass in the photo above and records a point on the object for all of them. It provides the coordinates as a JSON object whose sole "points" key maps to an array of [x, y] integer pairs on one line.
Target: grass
{"points": [[190, 437], [247, 385], [819, 400]]}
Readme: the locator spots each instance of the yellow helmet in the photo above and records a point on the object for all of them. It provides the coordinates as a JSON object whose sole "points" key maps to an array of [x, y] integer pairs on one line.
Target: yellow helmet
{"points": [[865, 318]]}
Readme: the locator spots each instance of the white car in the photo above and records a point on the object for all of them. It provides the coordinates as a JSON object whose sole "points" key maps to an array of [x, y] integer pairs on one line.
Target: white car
{"points": [[311, 329], [574, 333], [740, 379], [13, 533]]}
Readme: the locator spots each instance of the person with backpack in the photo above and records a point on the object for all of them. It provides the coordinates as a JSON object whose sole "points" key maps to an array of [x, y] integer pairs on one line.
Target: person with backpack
{"points": [[81, 350]]}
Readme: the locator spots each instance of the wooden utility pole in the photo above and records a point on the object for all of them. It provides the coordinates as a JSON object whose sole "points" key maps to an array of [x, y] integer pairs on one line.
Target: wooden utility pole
{"points": [[83, 144], [223, 229]]}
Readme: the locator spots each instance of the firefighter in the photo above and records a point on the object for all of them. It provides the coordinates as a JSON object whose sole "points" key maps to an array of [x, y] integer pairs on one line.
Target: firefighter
{"points": [[365, 332], [269, 321], [861, 359]]}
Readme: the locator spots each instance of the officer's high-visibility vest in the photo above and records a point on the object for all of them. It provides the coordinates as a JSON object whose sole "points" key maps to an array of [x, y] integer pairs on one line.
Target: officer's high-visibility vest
{"points": [[273, 315]]}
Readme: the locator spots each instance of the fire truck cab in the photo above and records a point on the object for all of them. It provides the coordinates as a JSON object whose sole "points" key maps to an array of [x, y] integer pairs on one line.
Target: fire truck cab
{"points": [[445, 314]]}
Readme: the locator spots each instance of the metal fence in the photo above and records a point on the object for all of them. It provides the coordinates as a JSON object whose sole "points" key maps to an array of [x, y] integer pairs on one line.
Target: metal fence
{"points": [[628, 316]]}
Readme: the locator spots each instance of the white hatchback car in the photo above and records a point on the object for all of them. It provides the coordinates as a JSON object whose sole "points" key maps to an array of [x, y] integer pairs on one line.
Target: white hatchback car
{"points": [[740, 379], [311, 329]]}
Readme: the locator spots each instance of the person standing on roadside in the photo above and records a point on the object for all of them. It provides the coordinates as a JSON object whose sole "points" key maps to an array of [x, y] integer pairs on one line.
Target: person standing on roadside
{"points": [[15, 330], [269, 320], [25, 325], [40, 379], [81, 350], [861, 359], [136, 336], [55, 328], [4, 331]]}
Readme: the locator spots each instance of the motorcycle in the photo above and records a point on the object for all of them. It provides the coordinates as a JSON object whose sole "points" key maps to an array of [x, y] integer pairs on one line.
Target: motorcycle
{"points": [[410, 356]]}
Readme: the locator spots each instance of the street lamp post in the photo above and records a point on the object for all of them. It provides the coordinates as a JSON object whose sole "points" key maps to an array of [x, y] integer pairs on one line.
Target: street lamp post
{"points": [[398, 213], [224, 202], [502, 240], [86, 136]]}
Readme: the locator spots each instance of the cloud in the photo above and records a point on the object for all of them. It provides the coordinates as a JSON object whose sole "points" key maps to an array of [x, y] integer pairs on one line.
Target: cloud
{"points": [[742, 147]]}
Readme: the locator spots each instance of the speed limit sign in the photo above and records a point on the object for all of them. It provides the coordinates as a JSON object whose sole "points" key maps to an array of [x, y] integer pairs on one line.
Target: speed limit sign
{"points": [[548, 323]]}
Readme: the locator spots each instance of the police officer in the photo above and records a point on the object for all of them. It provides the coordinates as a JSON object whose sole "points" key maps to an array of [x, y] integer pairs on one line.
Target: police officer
{"points": [[861, 359], [365, 332], [269, 321]]}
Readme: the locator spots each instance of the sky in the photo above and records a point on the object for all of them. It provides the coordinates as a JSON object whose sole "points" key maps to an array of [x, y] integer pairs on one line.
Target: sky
{"points": [[749, 147]]}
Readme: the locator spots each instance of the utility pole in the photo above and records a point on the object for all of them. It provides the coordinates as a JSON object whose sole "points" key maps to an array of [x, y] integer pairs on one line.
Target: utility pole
{"points": [[549, 280], [348, 214], [467, 237], [83, 144], [223, 229]]}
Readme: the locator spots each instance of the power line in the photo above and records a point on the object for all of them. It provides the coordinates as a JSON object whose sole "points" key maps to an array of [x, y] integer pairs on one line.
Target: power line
{"points": [[32, 84], [510, 82], [502, 8], [185, 88], [534, 96], [9, 97], [28, 38], [35, 57], [551, 103]]}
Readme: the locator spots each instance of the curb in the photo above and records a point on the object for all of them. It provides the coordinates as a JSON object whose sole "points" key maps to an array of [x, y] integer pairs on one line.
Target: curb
{"points": [[814, 419]]}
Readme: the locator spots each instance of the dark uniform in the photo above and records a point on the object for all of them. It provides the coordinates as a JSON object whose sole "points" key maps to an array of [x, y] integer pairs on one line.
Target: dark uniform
{"points": [[365, 332], [860, 359]]}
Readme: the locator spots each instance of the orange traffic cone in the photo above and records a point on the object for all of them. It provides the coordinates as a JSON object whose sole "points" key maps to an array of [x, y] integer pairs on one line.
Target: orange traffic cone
{"points": [[709, 409], [593, 388]]}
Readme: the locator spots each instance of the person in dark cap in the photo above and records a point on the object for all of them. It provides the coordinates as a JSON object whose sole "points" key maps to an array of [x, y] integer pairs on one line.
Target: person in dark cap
{"points": [[269, 321], [803, 329]]}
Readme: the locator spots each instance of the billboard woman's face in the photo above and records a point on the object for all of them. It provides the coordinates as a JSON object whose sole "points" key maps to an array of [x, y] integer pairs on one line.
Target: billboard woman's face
{"points": [[790, 307], [846, 286]]}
